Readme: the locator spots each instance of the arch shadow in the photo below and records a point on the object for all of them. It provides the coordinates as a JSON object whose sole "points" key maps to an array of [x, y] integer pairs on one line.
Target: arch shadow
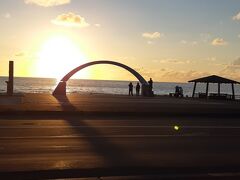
{"points": [[61, 87]]}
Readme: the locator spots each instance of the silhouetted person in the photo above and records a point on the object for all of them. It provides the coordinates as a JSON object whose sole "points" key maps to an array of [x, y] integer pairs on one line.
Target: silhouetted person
{"points": [[181, 91], [130, 87], [177, 90], [137, 89], [150, 82]]}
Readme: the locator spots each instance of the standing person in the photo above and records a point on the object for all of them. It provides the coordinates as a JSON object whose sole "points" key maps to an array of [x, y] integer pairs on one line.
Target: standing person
{"points": [[130, 87], [150, 82], [137, 89], [181, 91], [176, 91]]}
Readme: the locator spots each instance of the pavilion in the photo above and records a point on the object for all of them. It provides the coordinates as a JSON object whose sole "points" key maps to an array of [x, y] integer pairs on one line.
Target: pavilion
{"points": [[215, 79]]}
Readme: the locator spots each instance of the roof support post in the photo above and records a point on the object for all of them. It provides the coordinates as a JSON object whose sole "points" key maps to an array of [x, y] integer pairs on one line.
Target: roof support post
{"points": [[233, 93], [219, 89], [194, 88], [207, 90]]}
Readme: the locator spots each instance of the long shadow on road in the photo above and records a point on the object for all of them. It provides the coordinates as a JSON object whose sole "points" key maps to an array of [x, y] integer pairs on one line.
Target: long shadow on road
{"points": [[113, 155]]}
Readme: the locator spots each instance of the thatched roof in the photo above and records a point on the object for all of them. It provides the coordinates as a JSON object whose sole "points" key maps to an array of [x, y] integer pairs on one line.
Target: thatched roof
{"points": [[214, 79]]}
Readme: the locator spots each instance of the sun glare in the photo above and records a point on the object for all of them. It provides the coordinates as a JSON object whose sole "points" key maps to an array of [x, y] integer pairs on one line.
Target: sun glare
{"points": [[57, 56]]}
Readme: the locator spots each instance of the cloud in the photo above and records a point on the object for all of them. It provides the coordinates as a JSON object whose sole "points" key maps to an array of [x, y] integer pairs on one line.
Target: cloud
{"points": [[154, 35], [211, 59], [205, 37], [124, 58], [150, 42], [239, 36], [172, 61], [237, 17], [232, 70], [236, 62], [20, 54], [219, 42], [48, 3], [183, 42], [70, 20], [98, 25], [193, 43], [7, 15], [181, 76], [170, 75], [147, 73]]}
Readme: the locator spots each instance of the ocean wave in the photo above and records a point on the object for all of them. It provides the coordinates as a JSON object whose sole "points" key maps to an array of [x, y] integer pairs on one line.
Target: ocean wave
{"points": [[45, 85]]}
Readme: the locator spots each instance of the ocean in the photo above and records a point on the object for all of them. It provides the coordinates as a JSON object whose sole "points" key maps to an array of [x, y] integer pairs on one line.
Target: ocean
{"points": [[47, 85]]}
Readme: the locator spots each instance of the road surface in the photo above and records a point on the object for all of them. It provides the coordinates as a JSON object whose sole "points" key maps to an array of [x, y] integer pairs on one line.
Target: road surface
{"points": [[91, 146]]}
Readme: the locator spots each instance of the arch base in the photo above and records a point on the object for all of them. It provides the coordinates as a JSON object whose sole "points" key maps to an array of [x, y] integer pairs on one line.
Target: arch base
{"points": [[60, 89], [146, 91]]}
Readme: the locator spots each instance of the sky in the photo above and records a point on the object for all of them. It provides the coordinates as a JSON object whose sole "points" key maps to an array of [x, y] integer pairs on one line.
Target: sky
{"points": [[167, 40]]}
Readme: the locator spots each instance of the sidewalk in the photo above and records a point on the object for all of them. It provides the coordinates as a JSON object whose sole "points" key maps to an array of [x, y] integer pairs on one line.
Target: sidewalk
{"points": [[114, 104]]}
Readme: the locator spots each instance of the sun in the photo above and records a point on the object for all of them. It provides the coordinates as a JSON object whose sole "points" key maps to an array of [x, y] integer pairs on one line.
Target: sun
{"points": [[57, 56]]}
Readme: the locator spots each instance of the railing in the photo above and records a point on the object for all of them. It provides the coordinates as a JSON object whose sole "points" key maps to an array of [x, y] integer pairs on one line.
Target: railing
{"points": [[216, 96], [237, 97]]}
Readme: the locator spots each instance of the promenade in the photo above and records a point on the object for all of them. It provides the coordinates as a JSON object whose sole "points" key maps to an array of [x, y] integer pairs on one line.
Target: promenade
{"points": [[115, 105], [44, 137]]}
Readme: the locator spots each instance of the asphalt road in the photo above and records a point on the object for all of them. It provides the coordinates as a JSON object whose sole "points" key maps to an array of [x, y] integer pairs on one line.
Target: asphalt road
{"points": [[91, 146]]}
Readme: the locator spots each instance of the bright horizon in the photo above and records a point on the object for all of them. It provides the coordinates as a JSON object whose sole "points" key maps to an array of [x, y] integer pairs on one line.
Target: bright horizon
{"points": [[170, 41]]}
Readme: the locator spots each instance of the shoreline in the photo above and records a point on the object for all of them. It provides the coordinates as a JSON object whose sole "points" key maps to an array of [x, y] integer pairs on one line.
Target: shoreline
{"points": [[109, 87], [83, 93]]}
